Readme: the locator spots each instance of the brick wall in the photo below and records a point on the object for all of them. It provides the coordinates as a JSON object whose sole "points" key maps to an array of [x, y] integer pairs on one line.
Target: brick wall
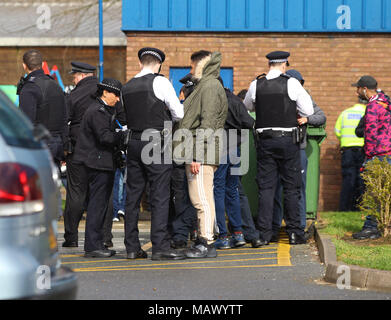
{"points": [[330, 63], [11, 61]]}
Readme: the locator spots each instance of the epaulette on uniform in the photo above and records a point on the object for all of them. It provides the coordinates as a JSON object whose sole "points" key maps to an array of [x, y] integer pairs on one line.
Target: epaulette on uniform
{"points": [[261, 76], [285, 75]]}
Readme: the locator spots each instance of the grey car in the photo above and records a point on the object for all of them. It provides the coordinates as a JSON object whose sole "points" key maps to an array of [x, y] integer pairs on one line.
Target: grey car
{"points": [[30, 266]]}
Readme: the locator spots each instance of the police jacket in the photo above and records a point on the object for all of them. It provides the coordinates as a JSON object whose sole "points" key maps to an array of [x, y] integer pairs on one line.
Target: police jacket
{"points": [[346, 125], [78, 101], [43, 102], [97, 137]]}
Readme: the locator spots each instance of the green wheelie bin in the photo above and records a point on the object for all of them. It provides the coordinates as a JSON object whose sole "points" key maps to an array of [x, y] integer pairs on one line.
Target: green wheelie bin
{"points": [[316, 135]]}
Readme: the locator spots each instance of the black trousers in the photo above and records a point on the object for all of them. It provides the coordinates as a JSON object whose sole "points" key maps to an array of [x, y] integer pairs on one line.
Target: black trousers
{"points": [[183, 216], [100, 185], [77, 190], [159, 177], [278, 156], [352, 183]]}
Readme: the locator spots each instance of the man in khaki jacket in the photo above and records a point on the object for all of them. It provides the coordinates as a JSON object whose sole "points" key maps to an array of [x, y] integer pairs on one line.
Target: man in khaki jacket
{"points": [[205, 114]]}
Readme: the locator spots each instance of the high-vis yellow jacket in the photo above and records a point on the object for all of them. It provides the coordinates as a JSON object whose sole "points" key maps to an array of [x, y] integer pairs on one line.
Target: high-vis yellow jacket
{"points": [[346, 125]]}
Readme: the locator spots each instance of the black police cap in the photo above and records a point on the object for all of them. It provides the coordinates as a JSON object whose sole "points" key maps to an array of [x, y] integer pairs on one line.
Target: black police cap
{"points": [[152, 51], [111, 85], [366, 82], [81, 67], [278, 57]]}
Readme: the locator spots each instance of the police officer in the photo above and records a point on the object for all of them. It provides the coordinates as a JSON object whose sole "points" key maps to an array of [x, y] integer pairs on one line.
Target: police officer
{"points": [[43, 102], [149, 100], [277, 98], [94, 149], [79, 99], [352, 155]]}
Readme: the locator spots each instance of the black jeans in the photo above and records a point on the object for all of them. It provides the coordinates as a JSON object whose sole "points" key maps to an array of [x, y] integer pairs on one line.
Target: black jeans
{"points": [[183, 216], [352, 183], [249, 230], [278, 157]]}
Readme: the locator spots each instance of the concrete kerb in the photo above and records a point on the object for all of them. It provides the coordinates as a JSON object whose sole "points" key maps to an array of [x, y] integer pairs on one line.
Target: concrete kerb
{"points": [[360, 277]]}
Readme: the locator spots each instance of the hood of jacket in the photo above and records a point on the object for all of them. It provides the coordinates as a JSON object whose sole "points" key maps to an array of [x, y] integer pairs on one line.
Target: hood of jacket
{"points": [[209, 67]]}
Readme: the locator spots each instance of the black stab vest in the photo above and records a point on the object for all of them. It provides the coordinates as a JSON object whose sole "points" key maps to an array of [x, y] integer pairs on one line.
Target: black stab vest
{"points": [[143, 109], [273, 106], [51, 111]]}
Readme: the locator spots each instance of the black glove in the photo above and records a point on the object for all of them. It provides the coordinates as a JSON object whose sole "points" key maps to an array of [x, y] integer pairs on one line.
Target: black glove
{"points": [[124, 139]]}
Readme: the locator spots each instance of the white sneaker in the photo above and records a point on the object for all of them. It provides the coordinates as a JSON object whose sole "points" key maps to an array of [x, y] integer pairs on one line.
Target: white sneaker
{"points": [[115, 220], [120, 213]]}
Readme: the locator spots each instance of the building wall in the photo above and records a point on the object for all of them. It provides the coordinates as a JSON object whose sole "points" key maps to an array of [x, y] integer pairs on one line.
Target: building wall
{"points": [[330, 63], [11, 61]]}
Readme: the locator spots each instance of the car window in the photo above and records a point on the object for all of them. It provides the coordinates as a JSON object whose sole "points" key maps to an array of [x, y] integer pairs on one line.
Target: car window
{"points": [[15, 128]]}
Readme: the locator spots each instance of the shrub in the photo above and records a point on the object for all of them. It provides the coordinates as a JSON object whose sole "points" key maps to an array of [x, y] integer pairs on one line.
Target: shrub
{"points": [[376, 199]]}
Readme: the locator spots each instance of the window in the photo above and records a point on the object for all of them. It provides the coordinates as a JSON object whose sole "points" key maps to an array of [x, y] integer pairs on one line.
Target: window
{"points": [[177, 74]]}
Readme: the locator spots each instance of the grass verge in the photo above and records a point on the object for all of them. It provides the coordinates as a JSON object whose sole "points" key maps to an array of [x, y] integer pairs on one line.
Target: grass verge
{"points": [[340, 226]]}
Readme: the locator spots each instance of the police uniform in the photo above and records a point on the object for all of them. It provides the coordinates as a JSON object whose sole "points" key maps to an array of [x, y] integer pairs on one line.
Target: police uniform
{"points": [[78, 101], [43, 101], [277, 98], [149, 100], [353, 156], [94, 149]]}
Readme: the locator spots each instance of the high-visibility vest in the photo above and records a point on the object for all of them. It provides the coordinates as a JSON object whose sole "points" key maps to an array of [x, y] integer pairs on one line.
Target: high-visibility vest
{"points": [[346, 125]]}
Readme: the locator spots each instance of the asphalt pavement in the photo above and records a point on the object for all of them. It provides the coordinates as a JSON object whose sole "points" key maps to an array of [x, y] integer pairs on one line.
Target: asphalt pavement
{"points": [[276, 271]]}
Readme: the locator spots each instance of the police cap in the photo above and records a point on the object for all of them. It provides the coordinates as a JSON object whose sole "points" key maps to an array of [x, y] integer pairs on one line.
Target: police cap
{"points": [[152, 51], [111, 85], [81, 67], [278, 57]]}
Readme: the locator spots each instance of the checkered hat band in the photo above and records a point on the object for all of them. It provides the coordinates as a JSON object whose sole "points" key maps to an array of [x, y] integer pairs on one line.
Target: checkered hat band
{"points": [[278, 60], [109, 87], [152, 53]]}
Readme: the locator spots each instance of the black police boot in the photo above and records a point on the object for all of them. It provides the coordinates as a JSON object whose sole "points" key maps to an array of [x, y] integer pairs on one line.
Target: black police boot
{"points": [[70, 244], [170, 254], [296, 239]]}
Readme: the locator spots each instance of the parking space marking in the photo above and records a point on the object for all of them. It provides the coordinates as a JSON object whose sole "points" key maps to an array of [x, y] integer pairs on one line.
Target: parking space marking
{"points": [[280, 253], [158, 265], [128, 260], [182, 268]]}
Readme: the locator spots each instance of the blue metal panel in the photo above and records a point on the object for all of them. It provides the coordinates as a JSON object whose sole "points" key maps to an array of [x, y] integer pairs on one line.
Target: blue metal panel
{"points": [[257, 15]]}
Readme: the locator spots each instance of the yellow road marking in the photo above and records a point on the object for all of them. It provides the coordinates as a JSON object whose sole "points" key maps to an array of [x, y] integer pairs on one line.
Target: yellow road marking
{"points": [[128, 260], [177, 268], [71, 255], [283, 255], [179, 262]]}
